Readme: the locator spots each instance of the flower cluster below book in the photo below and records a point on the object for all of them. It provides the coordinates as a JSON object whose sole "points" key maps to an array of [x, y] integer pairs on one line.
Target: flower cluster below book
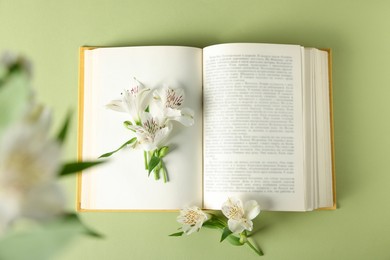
{"points": [[235, 221]]}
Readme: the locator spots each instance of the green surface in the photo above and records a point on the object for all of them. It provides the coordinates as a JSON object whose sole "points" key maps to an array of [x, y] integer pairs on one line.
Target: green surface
{"points": [[50, 32]]}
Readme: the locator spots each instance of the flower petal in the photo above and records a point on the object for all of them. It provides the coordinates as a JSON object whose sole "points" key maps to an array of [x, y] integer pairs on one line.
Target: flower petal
{"points": [[130, 105], [251, 209], [9, 210], [233, 209], [43, 201], [161, 135], [171, 112], [116, 105], [159, 93], [27, 155], [247, 224], [39, 118], [235, 226], [186, 117], [134, 101]]}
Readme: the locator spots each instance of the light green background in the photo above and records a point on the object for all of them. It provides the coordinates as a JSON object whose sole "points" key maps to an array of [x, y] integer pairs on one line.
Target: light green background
{"points": [[50, 32]]}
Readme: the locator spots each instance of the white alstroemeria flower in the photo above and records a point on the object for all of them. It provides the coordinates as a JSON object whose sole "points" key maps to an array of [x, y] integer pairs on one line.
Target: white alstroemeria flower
{"points": [[151, 134], [191, 219], [29, 163], [239, 216], [134, 101], [167, 106]]}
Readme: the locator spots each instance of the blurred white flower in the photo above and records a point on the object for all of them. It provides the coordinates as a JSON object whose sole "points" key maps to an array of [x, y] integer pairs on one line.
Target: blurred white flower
{"points": [[239, 216], [167, 105], [134, 101], [191, 219], [29, 164]]}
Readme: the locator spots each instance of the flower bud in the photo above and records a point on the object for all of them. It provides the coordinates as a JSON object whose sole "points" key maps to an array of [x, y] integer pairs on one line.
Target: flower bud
{"points": [[243, 238], [163, 151], [127, 124]]}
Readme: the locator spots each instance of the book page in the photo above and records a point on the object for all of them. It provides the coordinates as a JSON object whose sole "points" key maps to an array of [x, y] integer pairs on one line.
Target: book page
{"points": [[317, 130], [324, 167], [253, 145], [123, 183]]}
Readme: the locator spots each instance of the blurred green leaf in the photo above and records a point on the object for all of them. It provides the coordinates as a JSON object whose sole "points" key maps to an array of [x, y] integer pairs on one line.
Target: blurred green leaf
{"points": [[64, 129], [74, 167], [45, 241], [72, 217], [7, 72]]}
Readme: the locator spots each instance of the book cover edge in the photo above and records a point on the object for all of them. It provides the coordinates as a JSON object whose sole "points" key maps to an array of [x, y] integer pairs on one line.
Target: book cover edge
{"points": [[80, 122]]}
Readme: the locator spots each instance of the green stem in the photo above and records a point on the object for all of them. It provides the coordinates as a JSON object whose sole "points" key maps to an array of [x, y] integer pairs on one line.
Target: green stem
{"points": [[257, 250], [157, 171], [156, 174], [164, 171], [146, 160]]}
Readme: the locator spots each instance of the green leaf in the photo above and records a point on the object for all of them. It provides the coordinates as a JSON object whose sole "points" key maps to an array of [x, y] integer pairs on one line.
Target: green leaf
{"points": [[72, 217], [225, 233], [234, 240], [64, 129], [214, 223], [74, 167], [130, 142], [154, 161], [178, 234]]}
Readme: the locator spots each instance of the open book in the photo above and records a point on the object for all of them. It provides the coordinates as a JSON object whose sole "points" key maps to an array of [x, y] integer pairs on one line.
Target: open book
{"points": [[263, 127]]}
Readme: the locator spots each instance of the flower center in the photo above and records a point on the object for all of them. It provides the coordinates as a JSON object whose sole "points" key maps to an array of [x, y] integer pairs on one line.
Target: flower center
{"points": [[191, 217], [133, 91], [173, 100], [23, 170], [151, 126], [235, 212]]}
